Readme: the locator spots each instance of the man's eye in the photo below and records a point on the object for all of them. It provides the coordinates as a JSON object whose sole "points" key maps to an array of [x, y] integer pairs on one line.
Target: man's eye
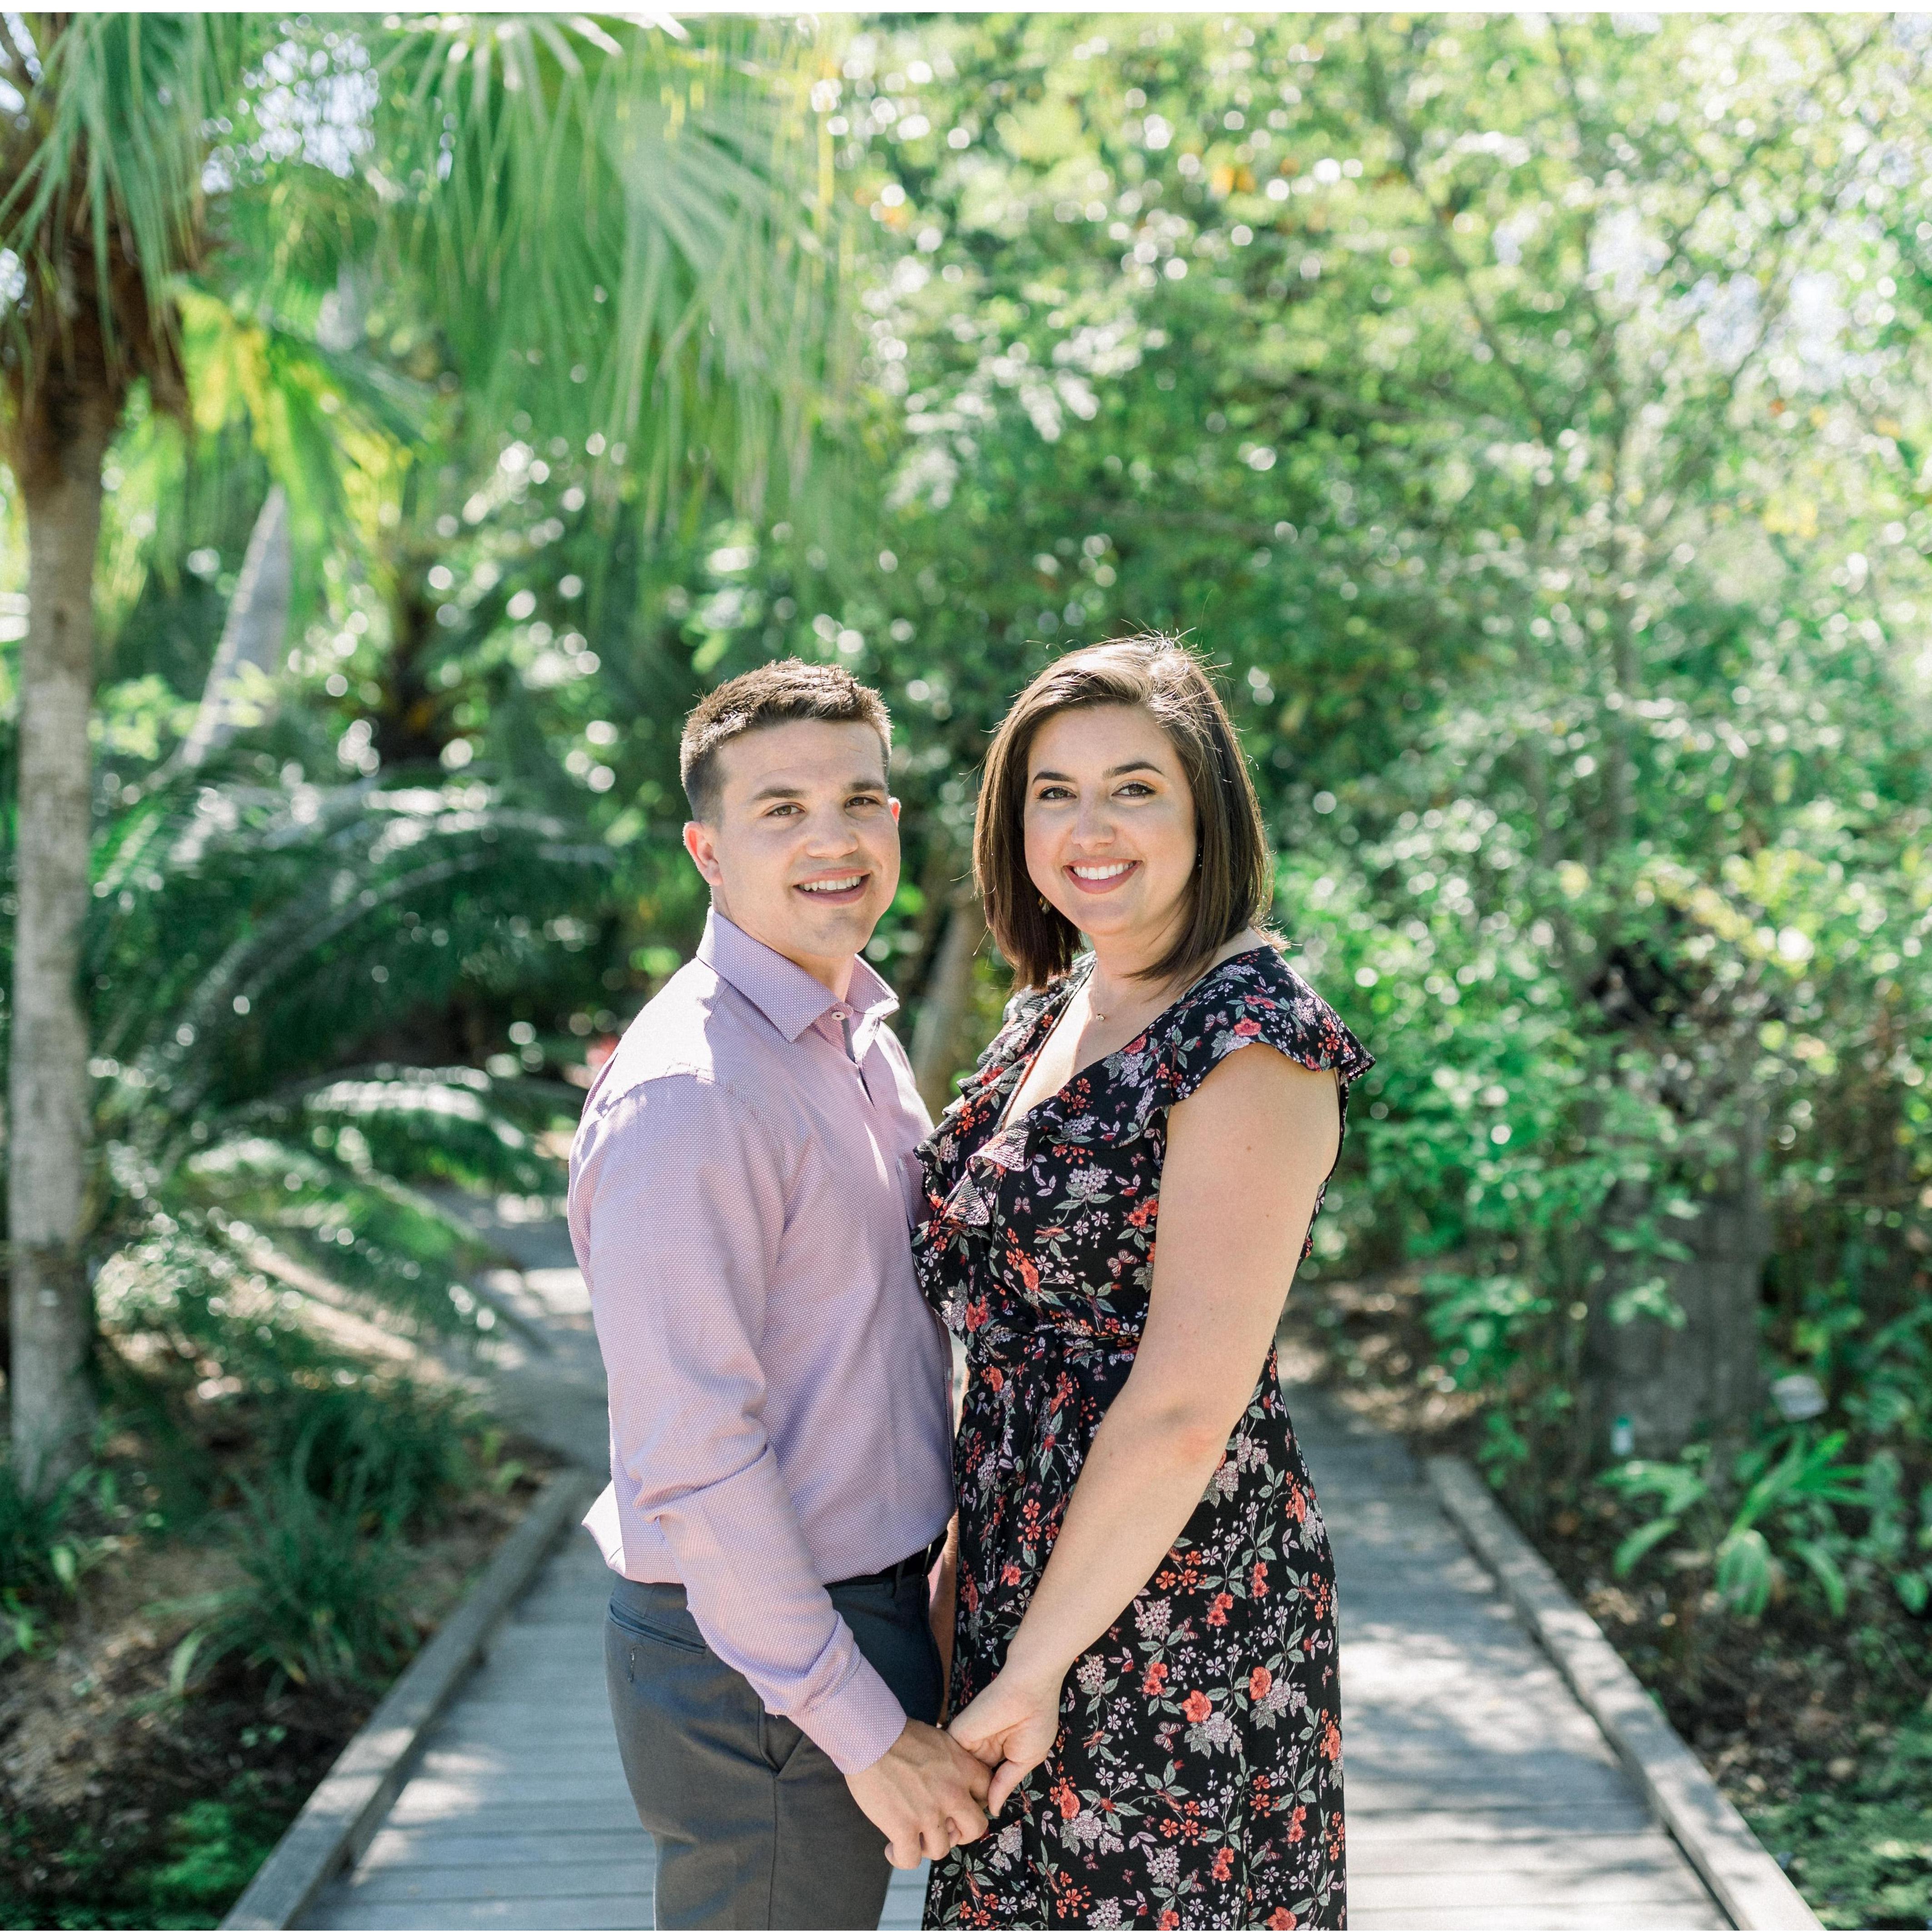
{"points": [[864, 798]]}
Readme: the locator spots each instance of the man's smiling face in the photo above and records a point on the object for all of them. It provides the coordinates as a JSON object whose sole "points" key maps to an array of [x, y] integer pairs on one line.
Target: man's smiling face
{"points": [[802, 849]]}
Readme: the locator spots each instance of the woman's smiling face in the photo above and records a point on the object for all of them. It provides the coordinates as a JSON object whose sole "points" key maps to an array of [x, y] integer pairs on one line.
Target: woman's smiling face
{"points": [[1109, 825]]}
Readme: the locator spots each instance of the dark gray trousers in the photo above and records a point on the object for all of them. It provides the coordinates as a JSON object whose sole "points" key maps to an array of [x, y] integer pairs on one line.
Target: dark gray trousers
{"points": [[754, 1825]]}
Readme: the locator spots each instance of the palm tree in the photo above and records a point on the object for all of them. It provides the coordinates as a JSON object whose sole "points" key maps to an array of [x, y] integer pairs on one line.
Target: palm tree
{"points": [[609, 227]]}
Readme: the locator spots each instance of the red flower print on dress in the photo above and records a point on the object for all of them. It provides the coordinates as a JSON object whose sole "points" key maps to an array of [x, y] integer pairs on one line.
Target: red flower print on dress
{"points": [[1217, 1611], [1155, 1682], [1260, 1682], [1196, 1708], [1281, 1920]]}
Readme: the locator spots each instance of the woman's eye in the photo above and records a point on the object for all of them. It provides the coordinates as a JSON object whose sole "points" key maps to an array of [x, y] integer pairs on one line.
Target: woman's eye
{"points": [[1050, 794], [1136, 790]]}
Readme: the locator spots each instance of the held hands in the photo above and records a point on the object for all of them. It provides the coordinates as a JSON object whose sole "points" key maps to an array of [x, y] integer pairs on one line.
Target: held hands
{"points": [[1011, 1725], [926, 1794]]}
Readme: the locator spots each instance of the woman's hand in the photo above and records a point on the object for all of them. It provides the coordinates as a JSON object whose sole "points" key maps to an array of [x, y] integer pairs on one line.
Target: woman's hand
{"points": [[1010, 1727]]}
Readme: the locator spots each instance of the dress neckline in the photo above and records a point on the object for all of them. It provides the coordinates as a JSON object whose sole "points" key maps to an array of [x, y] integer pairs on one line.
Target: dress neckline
{"points": [[1005, 1120]]}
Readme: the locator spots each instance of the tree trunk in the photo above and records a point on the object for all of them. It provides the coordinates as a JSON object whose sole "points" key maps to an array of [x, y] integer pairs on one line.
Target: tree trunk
{"points": [[1704, 1379], [949, 996], [252, 635], [52, 1395]]}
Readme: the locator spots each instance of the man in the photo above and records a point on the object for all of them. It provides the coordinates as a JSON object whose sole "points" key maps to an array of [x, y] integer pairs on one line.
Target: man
{"points": [[740, 1193]]}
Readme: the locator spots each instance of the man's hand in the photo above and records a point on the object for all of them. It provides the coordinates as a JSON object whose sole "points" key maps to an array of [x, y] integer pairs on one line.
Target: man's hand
{"points": [[925, 1794]]}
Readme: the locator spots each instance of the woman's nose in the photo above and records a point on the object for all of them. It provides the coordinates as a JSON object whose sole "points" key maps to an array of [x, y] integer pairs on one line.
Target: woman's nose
{"points": [[1093, 823]]}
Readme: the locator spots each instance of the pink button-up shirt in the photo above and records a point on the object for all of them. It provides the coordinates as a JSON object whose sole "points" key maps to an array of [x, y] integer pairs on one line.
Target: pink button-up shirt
{"points": [[741, 1189]]}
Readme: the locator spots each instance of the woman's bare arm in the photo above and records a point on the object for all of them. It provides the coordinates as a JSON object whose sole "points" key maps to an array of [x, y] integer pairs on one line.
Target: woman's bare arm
{"points": [[1246, 1154]]}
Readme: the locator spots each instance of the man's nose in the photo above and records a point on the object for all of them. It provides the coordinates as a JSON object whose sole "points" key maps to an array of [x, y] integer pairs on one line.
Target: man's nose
{"points": [[831, 833]]}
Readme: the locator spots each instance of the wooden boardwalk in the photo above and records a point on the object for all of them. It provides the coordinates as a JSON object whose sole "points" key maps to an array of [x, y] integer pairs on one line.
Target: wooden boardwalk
{"points": [[1480, 1794]]}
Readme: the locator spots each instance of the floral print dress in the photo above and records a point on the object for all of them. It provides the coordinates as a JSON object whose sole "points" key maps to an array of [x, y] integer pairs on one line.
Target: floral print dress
{"points": [[1196, 1779]]}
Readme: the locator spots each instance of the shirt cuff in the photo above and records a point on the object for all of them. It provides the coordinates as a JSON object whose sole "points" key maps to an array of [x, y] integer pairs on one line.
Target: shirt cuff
{"points": [[858, 1723]]}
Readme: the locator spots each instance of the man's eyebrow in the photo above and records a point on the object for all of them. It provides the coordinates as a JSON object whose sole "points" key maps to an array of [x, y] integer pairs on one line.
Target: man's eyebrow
{"points": [[778, 789], [1112, 772]]}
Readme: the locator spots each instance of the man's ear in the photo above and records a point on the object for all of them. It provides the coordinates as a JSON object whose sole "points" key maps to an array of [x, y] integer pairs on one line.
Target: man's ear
{"points": [[894, 804], [702, 846]]}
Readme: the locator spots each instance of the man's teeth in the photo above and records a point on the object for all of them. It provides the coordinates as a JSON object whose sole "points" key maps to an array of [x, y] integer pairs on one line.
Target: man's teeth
{"points": [[844, 885], [1103, 872]]}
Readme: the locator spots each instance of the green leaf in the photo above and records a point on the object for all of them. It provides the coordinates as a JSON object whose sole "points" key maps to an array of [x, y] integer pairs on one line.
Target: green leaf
{"points": [[1640, 1542]]}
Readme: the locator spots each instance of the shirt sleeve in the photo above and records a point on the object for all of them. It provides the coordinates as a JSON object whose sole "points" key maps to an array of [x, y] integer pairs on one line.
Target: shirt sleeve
{"points": [[683, 1195]]}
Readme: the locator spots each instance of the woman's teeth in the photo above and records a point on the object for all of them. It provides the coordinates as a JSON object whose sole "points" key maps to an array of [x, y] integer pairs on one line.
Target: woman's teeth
{"points": [[844, 885], [1101, 872]]}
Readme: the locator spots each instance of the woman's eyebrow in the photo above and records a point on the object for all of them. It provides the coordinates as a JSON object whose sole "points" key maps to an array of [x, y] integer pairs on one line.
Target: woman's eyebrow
{"points": [[1112, 772]]}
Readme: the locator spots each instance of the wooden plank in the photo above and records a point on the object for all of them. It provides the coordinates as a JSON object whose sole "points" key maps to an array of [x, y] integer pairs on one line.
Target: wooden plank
{"points": [[429, 1788], [1590, 1918], [468, 1884], [1561, 1853], [618, 1913], [430, 1809], [1745, 1879], [1501, 1826], [421, 1846]]}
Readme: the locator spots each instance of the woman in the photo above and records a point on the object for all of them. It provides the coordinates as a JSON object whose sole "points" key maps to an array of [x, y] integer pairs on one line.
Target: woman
{"points": [[1145, 1637]]}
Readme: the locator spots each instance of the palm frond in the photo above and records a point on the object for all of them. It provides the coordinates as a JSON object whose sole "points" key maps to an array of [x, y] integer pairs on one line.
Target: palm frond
{"points": [[621, 231], [101, 197]]}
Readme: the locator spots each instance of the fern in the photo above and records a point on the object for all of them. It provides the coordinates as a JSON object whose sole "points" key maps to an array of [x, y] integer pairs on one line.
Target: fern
{"points": [[257, 1180]]}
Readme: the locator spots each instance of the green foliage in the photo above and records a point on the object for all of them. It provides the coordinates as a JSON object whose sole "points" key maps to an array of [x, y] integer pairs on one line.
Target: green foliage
{"points": [[1540, 457], [1781, 1520], [388, 1451], [246, 941], [323, 1603], [44, 1549], [218, 1844], [1861, 1851]]}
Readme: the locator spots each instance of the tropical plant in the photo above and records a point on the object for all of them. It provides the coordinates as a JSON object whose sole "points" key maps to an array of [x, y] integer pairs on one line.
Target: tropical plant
{"points": [[1781, 1506], [246, 939], [669, 313], [321, 1601]]}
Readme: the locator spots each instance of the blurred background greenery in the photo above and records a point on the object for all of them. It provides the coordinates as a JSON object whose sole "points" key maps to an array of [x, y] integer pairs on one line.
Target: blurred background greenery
{"points": [[1527, 417]]}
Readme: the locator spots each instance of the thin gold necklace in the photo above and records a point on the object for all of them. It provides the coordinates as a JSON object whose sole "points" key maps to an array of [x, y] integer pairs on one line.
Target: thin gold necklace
{"points": [[1093, 1012]]}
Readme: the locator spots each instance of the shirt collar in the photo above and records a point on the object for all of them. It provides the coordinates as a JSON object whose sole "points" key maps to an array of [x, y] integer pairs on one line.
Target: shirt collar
{"points": [[783, 991]]}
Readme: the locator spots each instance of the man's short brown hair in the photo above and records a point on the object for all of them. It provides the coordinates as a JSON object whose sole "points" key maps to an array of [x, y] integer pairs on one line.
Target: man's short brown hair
{"points": [[1233, 884], [783, 692]]}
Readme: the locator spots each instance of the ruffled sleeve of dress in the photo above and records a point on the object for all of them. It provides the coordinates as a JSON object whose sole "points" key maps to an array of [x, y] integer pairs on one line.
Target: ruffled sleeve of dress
{"points": [[1257, 999]]}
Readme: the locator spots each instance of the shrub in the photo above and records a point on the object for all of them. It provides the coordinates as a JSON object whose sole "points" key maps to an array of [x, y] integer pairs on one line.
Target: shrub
{"points": [[322, 1603], [387, 1449]]}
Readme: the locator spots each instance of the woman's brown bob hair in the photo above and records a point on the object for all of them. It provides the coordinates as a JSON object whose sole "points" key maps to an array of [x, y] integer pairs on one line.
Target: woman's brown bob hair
{"points": [[1233, 884]]}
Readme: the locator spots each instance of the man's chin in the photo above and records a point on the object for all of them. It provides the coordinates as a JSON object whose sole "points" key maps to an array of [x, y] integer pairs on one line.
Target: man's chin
{"points": [[827, 930]]}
